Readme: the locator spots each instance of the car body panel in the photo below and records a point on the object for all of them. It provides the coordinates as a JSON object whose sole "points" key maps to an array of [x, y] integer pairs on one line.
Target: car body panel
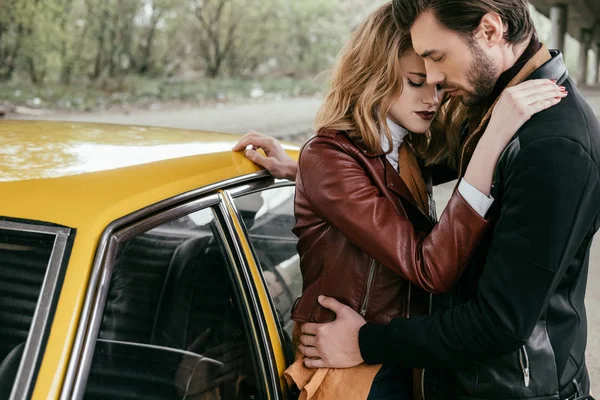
{"points": [[65, 174]]}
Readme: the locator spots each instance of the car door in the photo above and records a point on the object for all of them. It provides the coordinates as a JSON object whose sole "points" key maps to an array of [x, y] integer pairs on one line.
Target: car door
{"points": [[179, 311], [266, 213]]}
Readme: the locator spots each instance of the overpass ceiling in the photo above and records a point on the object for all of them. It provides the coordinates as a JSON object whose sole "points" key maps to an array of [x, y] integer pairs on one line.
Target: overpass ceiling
{"points": [[581, 14]]}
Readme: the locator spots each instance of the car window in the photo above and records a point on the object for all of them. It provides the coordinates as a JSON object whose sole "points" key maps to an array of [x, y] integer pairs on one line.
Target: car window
{"points": [[172, 326], [269, 218], [25, 258]]}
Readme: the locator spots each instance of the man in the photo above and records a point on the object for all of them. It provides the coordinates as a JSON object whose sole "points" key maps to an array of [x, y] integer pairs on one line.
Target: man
{"points": [[517, 326]]}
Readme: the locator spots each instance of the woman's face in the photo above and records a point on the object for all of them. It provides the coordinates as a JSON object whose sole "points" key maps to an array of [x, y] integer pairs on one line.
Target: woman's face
{"points": [[419, 102]]}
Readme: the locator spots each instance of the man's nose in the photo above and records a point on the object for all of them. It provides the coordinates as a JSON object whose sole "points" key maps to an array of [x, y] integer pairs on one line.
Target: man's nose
{"points": [[434, 76]]}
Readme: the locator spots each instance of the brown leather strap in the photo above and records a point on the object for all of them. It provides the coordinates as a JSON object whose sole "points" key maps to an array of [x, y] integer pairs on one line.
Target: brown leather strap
{"points": [[410, 172]]}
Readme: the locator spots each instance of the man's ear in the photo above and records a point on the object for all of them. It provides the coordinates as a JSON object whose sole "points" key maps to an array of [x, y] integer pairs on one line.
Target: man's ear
{"points": [[490, 31]]}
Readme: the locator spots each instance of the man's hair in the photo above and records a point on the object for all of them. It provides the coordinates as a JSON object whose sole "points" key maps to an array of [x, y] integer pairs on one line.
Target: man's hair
{"points": [[463, 16]]}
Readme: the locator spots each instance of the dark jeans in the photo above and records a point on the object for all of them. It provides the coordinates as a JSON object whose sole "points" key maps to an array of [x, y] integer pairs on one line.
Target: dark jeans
{"points": [[392, 383]]}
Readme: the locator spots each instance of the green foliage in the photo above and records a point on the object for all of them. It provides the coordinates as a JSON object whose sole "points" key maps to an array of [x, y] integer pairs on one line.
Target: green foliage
{"points": [[77, 41], [141, 47]]}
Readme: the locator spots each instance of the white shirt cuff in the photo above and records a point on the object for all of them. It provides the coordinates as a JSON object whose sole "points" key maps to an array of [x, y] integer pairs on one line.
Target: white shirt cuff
{"points": [[479, 201]]}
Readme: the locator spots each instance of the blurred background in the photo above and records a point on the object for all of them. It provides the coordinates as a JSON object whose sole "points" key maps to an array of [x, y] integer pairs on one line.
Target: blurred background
{"points": [[118, 57], [224, 65]]}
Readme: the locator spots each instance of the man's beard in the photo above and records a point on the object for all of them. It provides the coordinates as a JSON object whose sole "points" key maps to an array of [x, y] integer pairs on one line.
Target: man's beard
{"points": [[482, 77]]}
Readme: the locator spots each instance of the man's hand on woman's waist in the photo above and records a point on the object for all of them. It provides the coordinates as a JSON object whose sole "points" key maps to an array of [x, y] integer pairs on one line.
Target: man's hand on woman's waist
{"points": [[334, 344]]}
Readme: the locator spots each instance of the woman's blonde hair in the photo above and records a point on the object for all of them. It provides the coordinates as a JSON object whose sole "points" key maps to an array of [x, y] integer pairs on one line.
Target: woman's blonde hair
{"points": [[366, 82]]}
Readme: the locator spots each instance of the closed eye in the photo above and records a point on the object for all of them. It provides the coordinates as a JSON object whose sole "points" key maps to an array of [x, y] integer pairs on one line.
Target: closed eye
{"points": [[415, 84]]}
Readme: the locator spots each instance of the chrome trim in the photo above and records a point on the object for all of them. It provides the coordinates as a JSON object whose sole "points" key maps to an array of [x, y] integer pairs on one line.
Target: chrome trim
{"points": [[99, 297], [251, 188], [272, 376], [408, 300], [76, 352], [151, 346], [33, 228], [166, 216], [258, 186], [95, 321], [240, 280], [35, 338], [85, 316]]}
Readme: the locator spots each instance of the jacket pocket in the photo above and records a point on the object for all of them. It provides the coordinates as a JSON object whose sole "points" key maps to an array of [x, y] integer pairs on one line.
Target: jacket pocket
{"points": [[524, 364], [527, 373], [305, 305]]}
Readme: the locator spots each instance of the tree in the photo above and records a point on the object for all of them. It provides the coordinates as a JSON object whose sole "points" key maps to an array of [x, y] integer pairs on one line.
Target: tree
{"points": [[15, 19], [105, 40], [219, 21]]}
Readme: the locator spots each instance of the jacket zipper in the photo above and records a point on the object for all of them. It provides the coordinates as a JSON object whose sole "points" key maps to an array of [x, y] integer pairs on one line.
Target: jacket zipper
{"points": [[524, 360], [423, 385], [365, 302]]}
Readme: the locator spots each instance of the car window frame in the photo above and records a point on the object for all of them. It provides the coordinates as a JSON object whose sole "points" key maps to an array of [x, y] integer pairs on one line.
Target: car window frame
{"points": [[209, 196], [244, 190], [45, 308]]}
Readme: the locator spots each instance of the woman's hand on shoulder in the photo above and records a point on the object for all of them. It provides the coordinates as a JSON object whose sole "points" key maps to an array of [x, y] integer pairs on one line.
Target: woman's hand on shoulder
{"points": [[518, 104]]}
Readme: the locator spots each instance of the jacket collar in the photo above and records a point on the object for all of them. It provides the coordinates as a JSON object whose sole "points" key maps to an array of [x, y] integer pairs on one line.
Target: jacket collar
{"points": [[363, 149], [541, 58], [393, 180], [554, 68], [545, 64]]}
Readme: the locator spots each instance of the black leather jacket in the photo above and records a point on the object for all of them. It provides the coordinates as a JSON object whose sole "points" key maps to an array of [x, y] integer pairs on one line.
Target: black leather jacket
{"points": [[517, 326]]}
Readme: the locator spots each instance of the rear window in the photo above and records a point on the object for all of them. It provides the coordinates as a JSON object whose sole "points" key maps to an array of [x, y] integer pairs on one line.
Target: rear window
{"points": [[25, 258]]}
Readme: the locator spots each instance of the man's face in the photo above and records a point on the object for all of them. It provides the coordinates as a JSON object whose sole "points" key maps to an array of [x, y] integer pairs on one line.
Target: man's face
{"points": [[458, 64]]}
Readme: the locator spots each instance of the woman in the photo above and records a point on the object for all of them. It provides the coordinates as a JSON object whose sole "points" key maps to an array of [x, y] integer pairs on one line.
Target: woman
{"points": [[363, 210]]}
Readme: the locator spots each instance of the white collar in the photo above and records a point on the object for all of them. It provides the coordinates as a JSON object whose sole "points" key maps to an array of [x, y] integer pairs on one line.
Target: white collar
{"points": [[398, 135], [398, 131]]}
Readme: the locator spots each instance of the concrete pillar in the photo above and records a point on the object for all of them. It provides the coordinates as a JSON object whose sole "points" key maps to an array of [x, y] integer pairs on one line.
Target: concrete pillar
{"points": [[585, 44], [558, 18], [596, 65]]}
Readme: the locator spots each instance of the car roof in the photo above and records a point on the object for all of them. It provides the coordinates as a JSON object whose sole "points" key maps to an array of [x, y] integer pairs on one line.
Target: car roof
{"points": [[77, 174]]}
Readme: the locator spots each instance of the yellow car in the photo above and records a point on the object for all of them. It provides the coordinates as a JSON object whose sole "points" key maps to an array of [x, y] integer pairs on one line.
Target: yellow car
{"points": [[141, 263]]}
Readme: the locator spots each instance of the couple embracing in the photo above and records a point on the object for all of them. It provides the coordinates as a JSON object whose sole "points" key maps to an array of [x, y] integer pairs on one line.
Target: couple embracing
{"points": [[486, 302]]}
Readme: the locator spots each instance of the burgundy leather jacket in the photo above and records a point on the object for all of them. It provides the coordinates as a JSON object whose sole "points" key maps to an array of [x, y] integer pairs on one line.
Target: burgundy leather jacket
{"points": [[356, 241]]}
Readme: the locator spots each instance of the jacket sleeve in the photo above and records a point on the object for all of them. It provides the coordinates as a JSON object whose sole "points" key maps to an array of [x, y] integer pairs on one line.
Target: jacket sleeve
{"points": [[548, 206], [350, 203]]}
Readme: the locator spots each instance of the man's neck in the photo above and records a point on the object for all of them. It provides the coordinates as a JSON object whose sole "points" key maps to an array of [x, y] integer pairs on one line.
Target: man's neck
{"points": [[516, 57], [514, 53]]}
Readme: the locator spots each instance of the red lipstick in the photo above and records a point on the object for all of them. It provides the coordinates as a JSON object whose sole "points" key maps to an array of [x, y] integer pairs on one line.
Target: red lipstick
{"points": [[426, 115]]}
